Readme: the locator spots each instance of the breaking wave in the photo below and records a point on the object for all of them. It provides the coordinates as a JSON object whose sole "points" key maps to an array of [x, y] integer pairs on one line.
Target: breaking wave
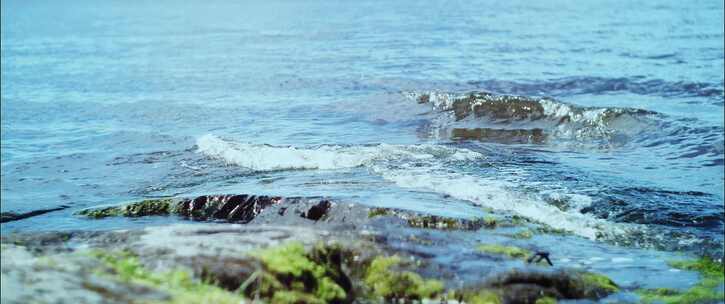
{"points": [[260, 157], [536, 119], [430, 168]]}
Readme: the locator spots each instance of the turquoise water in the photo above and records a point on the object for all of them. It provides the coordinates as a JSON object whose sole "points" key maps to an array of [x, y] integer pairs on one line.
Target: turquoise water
{"points": [[109, 102]]}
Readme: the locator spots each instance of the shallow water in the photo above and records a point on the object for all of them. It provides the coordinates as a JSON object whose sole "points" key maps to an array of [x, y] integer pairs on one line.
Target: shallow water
{"points": [[106, 102]]}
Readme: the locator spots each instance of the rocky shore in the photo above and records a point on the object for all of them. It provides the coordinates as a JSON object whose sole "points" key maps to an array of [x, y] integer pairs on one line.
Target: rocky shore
{"points": [[243, 248]]}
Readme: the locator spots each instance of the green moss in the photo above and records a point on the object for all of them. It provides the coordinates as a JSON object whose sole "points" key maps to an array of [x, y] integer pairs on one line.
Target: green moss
{"points": [[546, 229], [432, 221], [178, 283], [142, 208], [294, 297], [699, 293], [705, 266], [389, 284], [545, 300], [296, 272], [510, 251], [379, 212], [518, 220], [482, 297], [523, 234], [599, 281], [489, 222], [102, 212], [149, 207], [705, 291]]}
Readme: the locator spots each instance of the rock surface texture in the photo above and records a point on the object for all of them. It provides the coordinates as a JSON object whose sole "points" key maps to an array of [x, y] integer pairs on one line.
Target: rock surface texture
{"points": [[239, 248]]}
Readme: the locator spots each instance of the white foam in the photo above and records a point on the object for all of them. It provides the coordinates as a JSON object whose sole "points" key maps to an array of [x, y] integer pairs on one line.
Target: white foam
{"points": [[421, 167], [496, 194], [269, 158]]}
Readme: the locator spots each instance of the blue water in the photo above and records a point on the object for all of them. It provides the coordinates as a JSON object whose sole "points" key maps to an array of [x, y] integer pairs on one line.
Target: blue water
{"points": [[107, 102]]}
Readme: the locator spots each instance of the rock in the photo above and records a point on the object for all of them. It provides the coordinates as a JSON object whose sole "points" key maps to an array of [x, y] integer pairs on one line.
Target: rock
{"points": [[508, 251], [309, 249], [388, 284], [316, 212], [501, 108], [233, 208], [562, 284], [63, 278], [12, 216], [499, 135]]}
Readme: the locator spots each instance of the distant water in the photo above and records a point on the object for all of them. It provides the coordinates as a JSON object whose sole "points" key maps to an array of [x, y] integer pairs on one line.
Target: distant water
{"points": [[617, 134]]}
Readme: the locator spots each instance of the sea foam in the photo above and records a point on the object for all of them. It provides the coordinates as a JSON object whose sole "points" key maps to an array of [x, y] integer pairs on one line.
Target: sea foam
{"points": [[430, 168]]}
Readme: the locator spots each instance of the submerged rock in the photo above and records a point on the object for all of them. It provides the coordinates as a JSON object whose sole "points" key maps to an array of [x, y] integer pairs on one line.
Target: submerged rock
{"points": [[710, 288], [499, 135], [528, 286], [509, 251], [13, 216]]}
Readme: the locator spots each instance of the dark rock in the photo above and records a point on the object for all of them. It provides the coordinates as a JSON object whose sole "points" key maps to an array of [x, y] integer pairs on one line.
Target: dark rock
{"points": [[316, 212], [227, 272], [567, 284], [12, 216], [498, 107]]}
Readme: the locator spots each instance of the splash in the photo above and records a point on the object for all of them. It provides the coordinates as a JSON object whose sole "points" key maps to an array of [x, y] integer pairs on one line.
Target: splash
{"points": [[430, 168], [549, 117]]}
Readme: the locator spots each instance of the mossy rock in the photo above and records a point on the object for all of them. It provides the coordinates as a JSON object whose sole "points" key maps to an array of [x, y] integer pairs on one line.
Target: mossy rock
{"points": [[482, 296], [375, 212], [545, 300], [520, 285], [448, 223], [179, 283], [707, 290], [142, 208], [523, 234], [595, 283], [509, 251], [385, 282], [293, 273], [706, 266]]}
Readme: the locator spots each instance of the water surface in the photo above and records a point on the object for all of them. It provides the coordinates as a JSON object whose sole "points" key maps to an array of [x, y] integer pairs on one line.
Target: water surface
{"points": [[110, 102]]}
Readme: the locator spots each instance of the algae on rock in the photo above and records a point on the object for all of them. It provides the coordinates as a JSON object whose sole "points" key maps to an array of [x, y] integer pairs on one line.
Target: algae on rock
{"points": [[705, 291], [387, 283], [178, 283], [294, 274], [142, 208], [509, 251]]}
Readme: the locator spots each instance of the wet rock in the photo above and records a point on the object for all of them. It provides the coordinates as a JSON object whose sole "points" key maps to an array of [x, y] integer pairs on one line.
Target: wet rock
{"points": [[142, 208], [63, 278], [312, 262], [12, 216], [435, 222], [227, 272], [316, 212], [234, 208], [708, 290], [501, 108], [562, 284], [499, 135], [509, 251], [389, 284]]}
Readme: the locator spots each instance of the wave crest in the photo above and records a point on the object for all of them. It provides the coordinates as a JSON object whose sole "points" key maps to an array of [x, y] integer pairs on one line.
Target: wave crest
{"points": [[430, 168], [556, 119], [261, 157]]}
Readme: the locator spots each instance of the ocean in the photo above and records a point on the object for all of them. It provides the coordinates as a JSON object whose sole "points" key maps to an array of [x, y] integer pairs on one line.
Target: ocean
{"points": [[614, 131]]}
